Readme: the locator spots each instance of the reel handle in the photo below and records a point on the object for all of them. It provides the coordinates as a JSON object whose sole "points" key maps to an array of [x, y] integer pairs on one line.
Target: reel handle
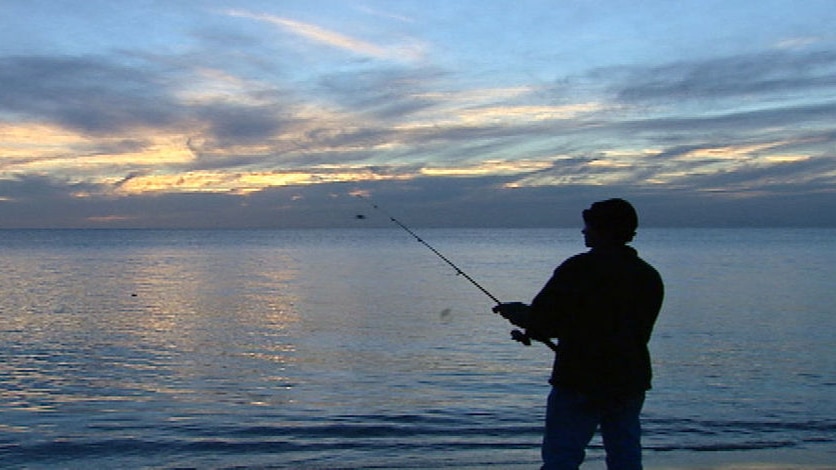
{"points": [[523, 338]]}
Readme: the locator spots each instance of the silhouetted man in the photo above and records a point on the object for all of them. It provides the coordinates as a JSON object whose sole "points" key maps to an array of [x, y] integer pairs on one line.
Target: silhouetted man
{"points": [[601, 305]]}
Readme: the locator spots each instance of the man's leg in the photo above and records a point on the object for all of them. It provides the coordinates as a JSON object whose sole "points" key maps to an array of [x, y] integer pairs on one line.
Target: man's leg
{"points": [[621, 431], [570, 425]]}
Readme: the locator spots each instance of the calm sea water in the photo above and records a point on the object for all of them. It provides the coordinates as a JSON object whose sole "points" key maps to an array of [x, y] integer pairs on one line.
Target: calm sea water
{"points": [[361, 349]]}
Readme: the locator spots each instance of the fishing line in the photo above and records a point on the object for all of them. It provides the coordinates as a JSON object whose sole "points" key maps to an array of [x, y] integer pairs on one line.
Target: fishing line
{"points": [[516, 334], [437, 253]]}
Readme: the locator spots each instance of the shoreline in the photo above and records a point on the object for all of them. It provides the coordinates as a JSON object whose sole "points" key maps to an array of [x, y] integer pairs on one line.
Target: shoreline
{"points": [[818, 458], [771, 459]]}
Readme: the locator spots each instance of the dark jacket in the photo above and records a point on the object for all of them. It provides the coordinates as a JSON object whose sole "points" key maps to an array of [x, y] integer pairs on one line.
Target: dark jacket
{"points": [[601, 305]]}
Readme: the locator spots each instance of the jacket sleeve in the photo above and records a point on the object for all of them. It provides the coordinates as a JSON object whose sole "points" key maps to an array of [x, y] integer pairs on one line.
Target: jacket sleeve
{"points": [[552, 306]]}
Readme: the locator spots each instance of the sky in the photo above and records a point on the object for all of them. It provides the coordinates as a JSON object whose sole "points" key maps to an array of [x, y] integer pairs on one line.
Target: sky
{"points": [[477, 113]]}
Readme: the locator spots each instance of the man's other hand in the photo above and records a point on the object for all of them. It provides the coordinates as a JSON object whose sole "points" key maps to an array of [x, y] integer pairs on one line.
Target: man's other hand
{"points": [[514, 312]]}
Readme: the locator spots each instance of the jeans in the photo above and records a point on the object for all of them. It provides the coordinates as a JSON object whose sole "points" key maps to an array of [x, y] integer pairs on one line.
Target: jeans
{"points": [[572, 419]]}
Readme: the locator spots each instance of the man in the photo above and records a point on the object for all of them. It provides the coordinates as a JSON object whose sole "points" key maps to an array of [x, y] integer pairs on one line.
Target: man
{"points": [[601, 306]]}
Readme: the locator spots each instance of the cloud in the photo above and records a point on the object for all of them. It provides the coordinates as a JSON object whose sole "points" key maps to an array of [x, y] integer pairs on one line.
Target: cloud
{"points": [[799, 42], [390, 93], [216, 136], [88, 94], [245, 136], [384, 14], [333, 39], [483, 201], [241, 123], [759, 176], [776, 72]]}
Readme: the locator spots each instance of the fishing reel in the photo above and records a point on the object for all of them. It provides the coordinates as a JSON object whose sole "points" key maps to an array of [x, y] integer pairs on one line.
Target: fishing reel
{"points": [[525, 339]]}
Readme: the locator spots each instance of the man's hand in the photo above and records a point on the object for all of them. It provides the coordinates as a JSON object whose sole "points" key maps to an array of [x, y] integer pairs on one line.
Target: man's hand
{"points": [[515, 312]]}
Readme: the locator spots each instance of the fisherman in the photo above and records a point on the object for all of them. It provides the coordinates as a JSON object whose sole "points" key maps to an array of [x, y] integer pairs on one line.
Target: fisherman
{"points": [[601, 305]]}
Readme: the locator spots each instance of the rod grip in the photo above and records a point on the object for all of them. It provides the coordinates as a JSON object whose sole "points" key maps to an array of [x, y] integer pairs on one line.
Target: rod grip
{"points": [[523, 338]]}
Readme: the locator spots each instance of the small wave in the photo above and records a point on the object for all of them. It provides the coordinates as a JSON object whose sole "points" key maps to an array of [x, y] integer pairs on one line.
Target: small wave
{"points": [[364, 439], [397, 441], [754, 426], [696, 435], [724, 447]]}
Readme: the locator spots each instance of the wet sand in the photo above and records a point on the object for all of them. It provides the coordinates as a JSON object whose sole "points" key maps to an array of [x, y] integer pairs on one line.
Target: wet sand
{"points": [[784, 459]]}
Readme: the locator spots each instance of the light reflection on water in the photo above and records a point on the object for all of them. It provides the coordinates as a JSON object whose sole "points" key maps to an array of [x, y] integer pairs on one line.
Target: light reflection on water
{"points": [[99, 330], [325, 349]]}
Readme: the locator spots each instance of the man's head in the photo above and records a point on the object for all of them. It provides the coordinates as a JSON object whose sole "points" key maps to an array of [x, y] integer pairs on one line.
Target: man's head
{"points": [[614, 221]]}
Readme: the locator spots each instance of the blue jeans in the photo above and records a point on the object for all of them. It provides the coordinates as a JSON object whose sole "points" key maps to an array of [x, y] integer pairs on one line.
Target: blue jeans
{"points": [[572, 419]]}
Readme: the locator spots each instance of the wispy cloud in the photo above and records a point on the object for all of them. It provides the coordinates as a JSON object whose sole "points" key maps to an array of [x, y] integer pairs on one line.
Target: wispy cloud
{"points": [[326, 37], [798, 42], [384, 14], [749, 75]]}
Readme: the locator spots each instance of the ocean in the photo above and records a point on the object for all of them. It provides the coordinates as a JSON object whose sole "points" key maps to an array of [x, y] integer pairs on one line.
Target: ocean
{"points": [[361, 349]]}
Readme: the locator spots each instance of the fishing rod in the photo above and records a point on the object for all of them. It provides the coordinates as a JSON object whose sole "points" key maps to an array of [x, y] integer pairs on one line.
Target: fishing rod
{"points": [[517, 335]]}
